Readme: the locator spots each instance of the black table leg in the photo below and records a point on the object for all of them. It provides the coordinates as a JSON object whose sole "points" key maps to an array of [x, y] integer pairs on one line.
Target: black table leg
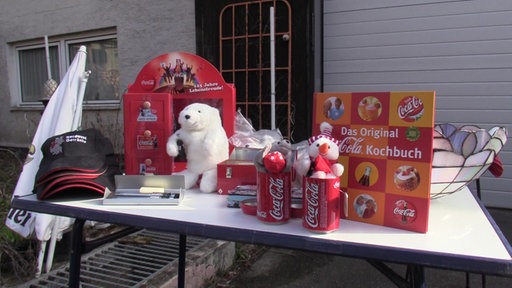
{"points": [[417, 276], [414, 278], [182, 260], [76, 253]]}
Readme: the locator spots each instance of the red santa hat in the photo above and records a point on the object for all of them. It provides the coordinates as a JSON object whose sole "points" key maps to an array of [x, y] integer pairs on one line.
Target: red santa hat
{"points": [[325, 132]]}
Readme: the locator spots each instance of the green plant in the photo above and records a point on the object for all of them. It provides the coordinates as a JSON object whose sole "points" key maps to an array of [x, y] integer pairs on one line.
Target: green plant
{"points": [[17, 254], [10, 168]]}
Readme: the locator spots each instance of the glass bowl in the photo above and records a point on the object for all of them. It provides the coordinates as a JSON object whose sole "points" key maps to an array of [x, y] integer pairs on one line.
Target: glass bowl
{"points": [[462, 155]]}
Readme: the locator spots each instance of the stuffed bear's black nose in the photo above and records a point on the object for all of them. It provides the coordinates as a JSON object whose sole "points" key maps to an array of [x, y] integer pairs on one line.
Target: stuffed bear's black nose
{"points": [[187, 116]]}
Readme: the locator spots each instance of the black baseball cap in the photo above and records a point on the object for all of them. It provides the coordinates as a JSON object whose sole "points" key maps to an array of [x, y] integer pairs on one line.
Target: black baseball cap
{"points": [[76, 163]]}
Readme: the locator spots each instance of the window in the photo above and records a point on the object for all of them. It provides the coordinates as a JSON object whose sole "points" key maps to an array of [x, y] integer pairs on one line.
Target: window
{"points": [[34, 72], [102, 60]]}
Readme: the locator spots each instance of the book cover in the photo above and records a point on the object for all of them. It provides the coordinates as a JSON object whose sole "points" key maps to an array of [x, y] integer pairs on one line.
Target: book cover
{"points": [[386, 149]]}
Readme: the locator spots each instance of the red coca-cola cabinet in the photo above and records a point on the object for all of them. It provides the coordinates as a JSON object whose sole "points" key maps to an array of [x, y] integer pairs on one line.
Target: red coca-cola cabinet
{"points": [[147, 125], [163, 87]]}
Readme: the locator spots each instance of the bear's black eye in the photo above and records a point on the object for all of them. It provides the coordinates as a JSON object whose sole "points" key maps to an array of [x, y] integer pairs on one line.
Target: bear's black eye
{"points": [[198, 111]]}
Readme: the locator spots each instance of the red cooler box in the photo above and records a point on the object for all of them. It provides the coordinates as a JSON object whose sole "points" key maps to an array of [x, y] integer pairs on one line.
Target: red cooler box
{"points": [[238, 170], [232, 173]]}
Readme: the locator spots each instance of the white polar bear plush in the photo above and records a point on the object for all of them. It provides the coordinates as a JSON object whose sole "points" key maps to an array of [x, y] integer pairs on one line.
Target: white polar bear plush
{"points": [[205, 142]]}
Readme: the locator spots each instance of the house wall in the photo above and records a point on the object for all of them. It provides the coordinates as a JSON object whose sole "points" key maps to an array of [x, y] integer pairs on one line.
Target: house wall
{"points": [[145, 29], [460, 49]]}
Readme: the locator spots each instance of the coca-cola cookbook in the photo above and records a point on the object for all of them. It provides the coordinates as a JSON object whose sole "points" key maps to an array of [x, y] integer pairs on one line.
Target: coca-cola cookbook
{"points": [[386, 149]]}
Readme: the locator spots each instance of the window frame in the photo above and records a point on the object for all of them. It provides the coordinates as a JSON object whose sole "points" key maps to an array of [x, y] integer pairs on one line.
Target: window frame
{"points": [[18, 91], [63, 44]]}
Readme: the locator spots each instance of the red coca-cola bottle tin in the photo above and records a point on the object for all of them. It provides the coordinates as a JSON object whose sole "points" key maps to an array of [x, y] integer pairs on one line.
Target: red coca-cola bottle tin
{"points": [[273, 197], [321, 204]]}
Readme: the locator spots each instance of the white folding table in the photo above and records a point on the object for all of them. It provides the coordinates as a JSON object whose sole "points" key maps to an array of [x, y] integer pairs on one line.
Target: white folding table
{"points": [[461, 235]]}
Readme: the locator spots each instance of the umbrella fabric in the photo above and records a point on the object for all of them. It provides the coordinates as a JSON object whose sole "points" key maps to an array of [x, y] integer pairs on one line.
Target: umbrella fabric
{"points": [[57, 118]]}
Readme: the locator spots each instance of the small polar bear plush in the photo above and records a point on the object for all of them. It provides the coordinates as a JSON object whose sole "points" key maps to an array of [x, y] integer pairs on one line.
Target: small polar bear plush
{"points": [[205, 142]]}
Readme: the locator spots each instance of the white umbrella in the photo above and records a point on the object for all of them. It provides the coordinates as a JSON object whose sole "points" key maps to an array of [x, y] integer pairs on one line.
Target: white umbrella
{"points": [[58, 117]]}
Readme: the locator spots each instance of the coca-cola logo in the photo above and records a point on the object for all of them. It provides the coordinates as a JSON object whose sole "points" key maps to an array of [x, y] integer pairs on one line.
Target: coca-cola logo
{"points": [[404, 212], [410, 108], [351, 145], [147, 82], [146, 142], [312, 204], [276, 188]]}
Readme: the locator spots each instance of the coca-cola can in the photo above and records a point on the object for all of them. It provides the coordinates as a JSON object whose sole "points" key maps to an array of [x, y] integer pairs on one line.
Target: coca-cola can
{"points": [[321, 204], [273, 197]]}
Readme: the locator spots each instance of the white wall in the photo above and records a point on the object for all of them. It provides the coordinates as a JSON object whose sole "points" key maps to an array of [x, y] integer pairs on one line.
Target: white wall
{"points": [[461, 49]]}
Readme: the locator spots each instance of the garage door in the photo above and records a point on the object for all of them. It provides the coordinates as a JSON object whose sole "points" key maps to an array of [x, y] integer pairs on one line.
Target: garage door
{"points": [[460, 49]]}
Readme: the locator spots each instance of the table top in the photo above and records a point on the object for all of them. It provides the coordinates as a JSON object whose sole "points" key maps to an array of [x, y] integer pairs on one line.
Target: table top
{"points": [[461, 235]]}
